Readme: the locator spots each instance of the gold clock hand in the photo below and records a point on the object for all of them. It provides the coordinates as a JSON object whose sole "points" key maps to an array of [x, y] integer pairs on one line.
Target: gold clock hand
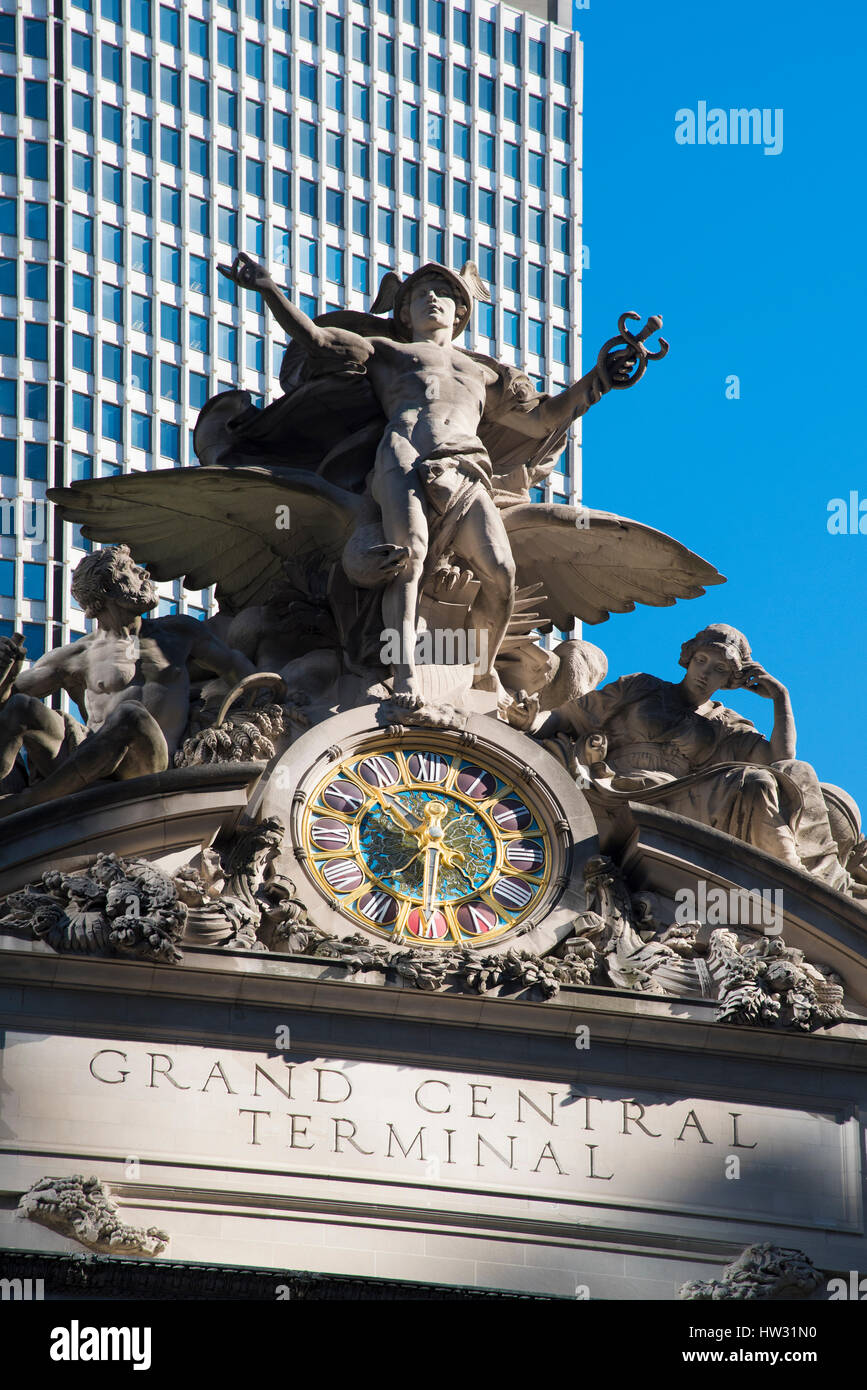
{"points": [[406, 820], [431, 874]]}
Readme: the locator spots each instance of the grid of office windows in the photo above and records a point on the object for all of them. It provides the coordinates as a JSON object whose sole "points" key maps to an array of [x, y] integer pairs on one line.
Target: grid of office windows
{"points": [[141, 145]]}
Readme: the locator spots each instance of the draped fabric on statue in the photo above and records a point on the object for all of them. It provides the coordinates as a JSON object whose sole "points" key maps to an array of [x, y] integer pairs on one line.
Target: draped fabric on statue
{"points": [[711, 765]]}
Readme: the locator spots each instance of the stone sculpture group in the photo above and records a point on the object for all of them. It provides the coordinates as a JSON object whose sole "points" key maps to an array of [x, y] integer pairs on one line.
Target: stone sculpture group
{"points": [[384, 497]]}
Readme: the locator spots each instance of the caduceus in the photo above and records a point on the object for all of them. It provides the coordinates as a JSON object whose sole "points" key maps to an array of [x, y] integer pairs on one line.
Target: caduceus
{"points": [[638, 352]]}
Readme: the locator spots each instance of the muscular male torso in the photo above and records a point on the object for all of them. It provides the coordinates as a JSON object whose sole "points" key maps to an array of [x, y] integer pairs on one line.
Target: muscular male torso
{"points": [[430, 394], [151, 667]]}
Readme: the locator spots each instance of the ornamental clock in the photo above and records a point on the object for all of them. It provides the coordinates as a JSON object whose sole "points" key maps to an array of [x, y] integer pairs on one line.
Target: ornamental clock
{"points": [[427, 837]]}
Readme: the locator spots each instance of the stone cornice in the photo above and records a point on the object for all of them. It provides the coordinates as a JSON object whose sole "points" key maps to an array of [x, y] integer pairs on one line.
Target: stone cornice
{"points": [[220, 996]]}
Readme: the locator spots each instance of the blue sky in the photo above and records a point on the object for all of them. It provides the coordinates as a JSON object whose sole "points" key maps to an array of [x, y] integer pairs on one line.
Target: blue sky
{"points": [[756, 263]]}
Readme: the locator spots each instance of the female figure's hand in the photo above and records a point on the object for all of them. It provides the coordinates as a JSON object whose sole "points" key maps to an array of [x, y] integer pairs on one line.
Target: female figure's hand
{"points": [[754, 677]]}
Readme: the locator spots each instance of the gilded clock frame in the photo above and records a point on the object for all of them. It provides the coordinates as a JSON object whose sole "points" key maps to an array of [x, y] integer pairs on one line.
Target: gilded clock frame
{"points": [[558, 804], [441, 742]]}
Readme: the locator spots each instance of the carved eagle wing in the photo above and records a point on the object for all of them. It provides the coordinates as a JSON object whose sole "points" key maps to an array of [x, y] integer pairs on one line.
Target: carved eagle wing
{"points": [[592, 564], [233, 528]]}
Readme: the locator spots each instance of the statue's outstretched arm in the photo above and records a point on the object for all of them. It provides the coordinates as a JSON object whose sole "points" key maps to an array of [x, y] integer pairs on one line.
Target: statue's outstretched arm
{"points": [[541, 417], [247, 273], [621, 362], [570, 404], [45, 677]]}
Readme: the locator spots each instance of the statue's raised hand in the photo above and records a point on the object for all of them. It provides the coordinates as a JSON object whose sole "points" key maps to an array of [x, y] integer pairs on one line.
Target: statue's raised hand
{"points": [[522, 712], [246, 272], [754, 677], [12, 650], [620, 366]]}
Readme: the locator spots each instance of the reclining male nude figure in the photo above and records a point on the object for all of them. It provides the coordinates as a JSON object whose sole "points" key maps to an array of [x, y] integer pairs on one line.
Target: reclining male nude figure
{"points": [[129, 675]]}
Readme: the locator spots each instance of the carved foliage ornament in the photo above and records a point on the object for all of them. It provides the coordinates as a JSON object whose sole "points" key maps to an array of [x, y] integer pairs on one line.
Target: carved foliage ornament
{"points": [[115, 907], [82, 1209], [237, 901], [763, 1271]]}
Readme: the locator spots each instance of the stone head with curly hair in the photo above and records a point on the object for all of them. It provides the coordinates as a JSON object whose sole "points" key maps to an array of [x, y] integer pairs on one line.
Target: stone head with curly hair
{"points": [[112, 576]]}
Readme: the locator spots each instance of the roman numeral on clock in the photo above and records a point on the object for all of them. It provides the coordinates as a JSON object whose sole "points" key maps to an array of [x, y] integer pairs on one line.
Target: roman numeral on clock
{"points": [[476, 918], [513, 893], [428, 767], [329, 834], [342, 874], [526, 855], [343, 796], [378, 907], [378, 772], [511, 814], [476, 783]]}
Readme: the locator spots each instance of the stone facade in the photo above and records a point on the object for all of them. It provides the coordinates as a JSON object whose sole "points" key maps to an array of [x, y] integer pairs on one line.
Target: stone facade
{"points": [[276, 1111]]}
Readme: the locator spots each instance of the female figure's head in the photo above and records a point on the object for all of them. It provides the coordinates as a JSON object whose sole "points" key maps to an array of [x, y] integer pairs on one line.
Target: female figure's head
{"points": [[714, 660]]}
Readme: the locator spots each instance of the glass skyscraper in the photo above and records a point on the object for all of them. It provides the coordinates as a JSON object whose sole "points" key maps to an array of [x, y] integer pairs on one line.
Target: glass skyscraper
{"points": [[143, 143]]}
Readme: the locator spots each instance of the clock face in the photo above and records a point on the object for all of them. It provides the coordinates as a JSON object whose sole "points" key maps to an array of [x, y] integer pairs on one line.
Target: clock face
{"points": [[426, 844]]}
